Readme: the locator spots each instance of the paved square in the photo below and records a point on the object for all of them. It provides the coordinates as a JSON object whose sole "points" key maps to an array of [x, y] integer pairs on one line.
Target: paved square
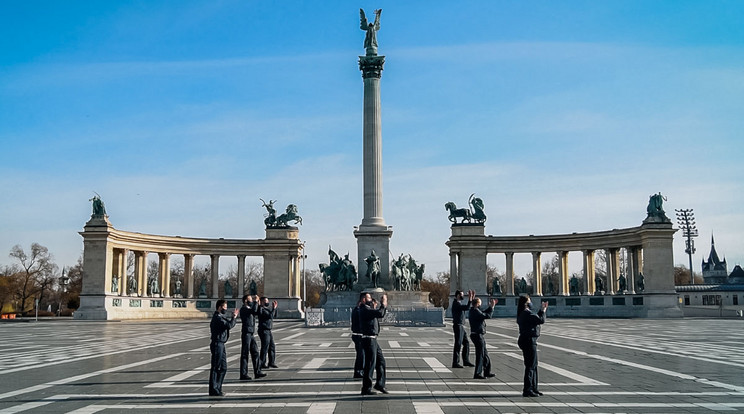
{"points": [[586, 366]]}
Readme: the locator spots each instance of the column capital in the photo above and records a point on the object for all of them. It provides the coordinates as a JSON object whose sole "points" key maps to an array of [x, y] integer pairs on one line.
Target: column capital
{"points": [[371, 66]]}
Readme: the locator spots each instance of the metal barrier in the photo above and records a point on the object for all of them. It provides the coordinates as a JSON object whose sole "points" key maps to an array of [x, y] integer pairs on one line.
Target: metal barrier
{"points": [[397, 316]]}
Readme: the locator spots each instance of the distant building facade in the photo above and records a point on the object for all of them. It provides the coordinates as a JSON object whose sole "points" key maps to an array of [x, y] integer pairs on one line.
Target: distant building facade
{"points": [[715, 270]]}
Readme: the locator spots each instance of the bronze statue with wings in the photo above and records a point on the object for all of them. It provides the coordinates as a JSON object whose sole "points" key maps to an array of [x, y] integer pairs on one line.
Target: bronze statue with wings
{"points": [[370, 40]]}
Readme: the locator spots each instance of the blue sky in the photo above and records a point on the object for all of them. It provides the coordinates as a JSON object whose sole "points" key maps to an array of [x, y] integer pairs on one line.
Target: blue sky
{"points": [[562, 116]]}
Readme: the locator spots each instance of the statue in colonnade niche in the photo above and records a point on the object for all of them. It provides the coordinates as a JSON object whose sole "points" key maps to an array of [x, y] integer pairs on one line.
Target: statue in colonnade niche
{"points": [[115, 284], [573, 286], [203, 288], [476, 214], [131, 286], [598, 285], [520, 286], [228, 289], [622, 285], [641, 283], [655, 210], [495, 287], [551, 286], [154, 286], [252, 288], [373, 268], [177, 290]]}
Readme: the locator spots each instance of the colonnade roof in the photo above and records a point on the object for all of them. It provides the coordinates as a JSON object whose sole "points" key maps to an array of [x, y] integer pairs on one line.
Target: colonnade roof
{"points": [[151, 243], [609, 239]]}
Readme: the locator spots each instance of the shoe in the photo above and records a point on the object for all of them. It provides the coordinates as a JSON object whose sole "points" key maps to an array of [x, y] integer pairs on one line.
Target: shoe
{"points": [[490, 375], [273, 366], [476, 376], [264, 367], [357, 376], [218, 394], [382, 389], [457, 366], [369, 392], [260, 375], [538, 393], [530, 394], [468, 364], [245, 378]]}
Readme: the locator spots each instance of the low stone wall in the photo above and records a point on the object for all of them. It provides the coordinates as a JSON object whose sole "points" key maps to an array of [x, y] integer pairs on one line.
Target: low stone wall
{"points": [[397, 316], [615, 306]]}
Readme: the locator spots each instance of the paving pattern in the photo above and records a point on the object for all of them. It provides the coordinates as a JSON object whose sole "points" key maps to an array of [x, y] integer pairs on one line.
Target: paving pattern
{"points": [[586, 366]]}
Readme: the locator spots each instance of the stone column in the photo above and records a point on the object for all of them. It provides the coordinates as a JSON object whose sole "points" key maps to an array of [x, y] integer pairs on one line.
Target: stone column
{"points": [[455, 282], [165, 274], [509, 273], [98, 264], [188, 274], [563, 273], [634, 255], [120, 269], [589, 286], [140, 272], [215, 276], [537, 273], [373, 233], [241, 276], [613, 270]]}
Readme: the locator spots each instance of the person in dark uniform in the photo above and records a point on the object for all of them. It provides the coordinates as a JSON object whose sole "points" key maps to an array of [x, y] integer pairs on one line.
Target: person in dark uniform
{"points": [[373, 358], [248, 345], [461, 338], [266, 315], [219, 328], [477, 319], [529, 330], [356, 337]]}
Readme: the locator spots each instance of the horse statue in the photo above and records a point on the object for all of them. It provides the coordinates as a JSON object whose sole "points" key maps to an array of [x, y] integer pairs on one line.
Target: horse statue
{"points": [[655, 210], [339, 274], [270, 219], [290, 215], [455, 212]]}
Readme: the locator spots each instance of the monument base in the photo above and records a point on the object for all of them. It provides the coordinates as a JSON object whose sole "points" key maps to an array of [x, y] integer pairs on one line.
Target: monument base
{"points": [[405, 308]]}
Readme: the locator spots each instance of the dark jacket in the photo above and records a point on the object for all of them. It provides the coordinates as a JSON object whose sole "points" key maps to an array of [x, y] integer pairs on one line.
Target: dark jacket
{"points": [[368, 319], [529, 323], [458, 312], [266, 315], [478, 319], [220, 327], [247, 316], [356, 320]]}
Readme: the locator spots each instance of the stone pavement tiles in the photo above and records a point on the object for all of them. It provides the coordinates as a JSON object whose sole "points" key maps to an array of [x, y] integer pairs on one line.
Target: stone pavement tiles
{"points": [[586, 366]]}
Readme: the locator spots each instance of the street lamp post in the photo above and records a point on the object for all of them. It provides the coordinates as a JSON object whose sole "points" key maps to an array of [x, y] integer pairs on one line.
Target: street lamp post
{"points": [[304, 282], [686, 221]]}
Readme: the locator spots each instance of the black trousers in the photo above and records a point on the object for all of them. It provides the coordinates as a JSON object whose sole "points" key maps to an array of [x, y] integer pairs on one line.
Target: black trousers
{"points": [[528, 345], [268, 348], [248, 347], [373, 361], [359, 360], [482, 361], [461, 341], [218, 369]]}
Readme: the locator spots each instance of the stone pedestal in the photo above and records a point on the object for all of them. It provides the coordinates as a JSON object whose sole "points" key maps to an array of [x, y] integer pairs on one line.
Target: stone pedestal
{"points": [[377, 239]]}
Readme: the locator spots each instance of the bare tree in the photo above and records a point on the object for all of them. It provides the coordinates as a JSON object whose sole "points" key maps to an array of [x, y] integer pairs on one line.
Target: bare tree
{"points": [[438, 288], [36, 267]]}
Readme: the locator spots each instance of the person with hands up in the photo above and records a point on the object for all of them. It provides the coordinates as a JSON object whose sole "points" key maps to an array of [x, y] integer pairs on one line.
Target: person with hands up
{"points": [[529, 330], [477, 319]]}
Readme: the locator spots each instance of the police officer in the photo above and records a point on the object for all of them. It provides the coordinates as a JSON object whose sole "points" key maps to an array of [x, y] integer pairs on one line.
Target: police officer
{"points": [[267, 313], [248, 345], [356, 337], [461, 338], [477, 319], [373, 358], [220, 329], [529, 330]]}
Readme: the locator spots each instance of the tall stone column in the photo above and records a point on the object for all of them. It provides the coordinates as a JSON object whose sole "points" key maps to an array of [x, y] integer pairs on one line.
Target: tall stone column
{"points": [[589, 286], [215, 275], [634, 256], [165, 274], [509, 273], [241, 276], [188, 274], [140, 272], [537, 273], [373, 233], [613, 270], [563, 273]]}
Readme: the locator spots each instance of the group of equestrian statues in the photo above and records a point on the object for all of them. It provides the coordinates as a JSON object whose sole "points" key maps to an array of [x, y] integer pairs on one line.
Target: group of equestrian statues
{"points": [[341, 274]]}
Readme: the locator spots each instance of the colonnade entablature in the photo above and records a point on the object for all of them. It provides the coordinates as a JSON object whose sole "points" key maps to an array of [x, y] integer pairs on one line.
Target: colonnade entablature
{"points": [[110, 292], [649, 248]]}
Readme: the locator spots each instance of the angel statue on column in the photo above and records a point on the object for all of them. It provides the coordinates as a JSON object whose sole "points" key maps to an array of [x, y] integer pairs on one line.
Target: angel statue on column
{"points": [[370, 40]]}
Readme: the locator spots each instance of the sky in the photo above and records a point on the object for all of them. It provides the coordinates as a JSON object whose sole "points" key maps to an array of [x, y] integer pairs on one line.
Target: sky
{"points": [[563, 116]]}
